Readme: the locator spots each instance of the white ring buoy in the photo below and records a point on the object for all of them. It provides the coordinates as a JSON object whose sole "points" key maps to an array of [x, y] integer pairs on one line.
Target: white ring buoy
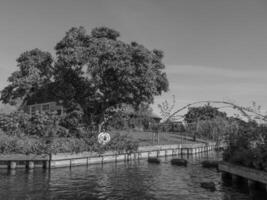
{"points": [[103, 138]]}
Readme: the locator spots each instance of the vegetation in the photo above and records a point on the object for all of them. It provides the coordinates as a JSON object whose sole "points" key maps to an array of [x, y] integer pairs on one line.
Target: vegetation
{"points": [[45, 133], [93, 75], [202, 113], [248, 147], [216, 129]]}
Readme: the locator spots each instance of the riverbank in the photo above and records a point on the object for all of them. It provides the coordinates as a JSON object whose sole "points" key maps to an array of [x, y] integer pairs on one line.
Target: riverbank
{"points": [[87, 158]]}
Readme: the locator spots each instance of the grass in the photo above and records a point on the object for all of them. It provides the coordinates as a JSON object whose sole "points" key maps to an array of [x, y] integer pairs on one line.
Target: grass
{"points": [[146, 138]]}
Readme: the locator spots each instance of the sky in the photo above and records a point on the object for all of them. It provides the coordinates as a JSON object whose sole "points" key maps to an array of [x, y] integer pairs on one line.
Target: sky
{"points": [[214, 49]]}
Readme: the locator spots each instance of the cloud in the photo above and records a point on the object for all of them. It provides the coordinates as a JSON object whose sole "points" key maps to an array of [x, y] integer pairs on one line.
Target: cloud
{"points": [[196, 83]]}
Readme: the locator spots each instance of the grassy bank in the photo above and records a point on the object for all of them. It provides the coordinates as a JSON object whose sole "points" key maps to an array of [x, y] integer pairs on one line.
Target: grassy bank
{"points": [[120, 140], [146, 138]]}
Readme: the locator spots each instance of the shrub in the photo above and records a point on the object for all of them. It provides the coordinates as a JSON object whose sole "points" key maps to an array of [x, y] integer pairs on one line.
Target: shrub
{"points": [[248, 147], [119, 143], [216, 129], [16, 144], [14, 123], [45, 145]]}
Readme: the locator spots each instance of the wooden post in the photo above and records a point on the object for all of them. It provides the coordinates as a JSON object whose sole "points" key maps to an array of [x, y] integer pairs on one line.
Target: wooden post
{"points": [[157, 137], [12, 165], [46, 164], [251, 185], [29, 164]]}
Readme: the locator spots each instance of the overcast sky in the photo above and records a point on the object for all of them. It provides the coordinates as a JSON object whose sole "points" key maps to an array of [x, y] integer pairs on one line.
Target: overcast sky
{"points": [[214, 49]]}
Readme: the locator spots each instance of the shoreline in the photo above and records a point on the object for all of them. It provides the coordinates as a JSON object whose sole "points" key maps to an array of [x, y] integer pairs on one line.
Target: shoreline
{"points": [[13, 161]]}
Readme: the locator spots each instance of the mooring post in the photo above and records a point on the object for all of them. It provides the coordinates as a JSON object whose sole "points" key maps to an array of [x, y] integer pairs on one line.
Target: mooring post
{"points": [[251, 185], [12, 165], [46, 164], [29, 164]]}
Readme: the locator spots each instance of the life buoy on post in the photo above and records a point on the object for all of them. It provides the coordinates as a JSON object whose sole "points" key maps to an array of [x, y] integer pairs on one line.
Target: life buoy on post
{"points": [[103, 138]]}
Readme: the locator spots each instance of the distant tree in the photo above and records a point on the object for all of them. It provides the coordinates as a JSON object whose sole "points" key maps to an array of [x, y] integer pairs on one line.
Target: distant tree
{"points": [[206, 112]]}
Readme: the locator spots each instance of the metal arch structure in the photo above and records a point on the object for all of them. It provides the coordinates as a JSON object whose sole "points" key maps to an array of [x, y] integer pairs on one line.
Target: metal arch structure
{"points": [[246, 112]]}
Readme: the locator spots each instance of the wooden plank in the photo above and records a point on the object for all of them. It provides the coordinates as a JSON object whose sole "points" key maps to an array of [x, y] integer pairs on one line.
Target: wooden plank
{"points": [[245, 172]]}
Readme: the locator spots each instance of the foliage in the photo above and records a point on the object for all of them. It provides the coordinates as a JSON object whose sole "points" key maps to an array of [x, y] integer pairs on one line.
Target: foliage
{"points": [[128, 117], [257, 111], [38, 124], [119, 121], [248, 147], [35, 70], [122, 143], [105, 72], [43, 133], [206, 112], [170, 126], [216, 129], [93, 74], [41, 145], [14, 123], [94, 71], [16, 144], [33, 145]]}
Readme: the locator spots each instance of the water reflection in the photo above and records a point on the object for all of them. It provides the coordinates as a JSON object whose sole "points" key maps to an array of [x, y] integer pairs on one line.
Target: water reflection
{"points": [[133, 180]]}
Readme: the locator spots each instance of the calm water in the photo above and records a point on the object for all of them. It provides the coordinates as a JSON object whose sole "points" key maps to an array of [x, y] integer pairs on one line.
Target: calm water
{"points": [[133, 180]]}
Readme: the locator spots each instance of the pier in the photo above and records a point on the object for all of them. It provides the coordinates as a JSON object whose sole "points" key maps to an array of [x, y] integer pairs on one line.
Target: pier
{"points": [[252, 177]]}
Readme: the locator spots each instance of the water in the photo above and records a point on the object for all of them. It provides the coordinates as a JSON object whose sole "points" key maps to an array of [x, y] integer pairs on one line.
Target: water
{"points": [[133, 180]]}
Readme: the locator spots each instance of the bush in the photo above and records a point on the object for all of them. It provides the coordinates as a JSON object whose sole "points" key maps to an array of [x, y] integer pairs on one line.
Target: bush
{"points": [[248, 147], [42, 133], [16, 144], [38, 124], [215, 129], [14, 123], [44, 145], [118, 143]]}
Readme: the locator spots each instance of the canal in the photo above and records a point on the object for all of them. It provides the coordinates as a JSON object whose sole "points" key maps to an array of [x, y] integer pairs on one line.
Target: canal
{"points": [[115, 181]]}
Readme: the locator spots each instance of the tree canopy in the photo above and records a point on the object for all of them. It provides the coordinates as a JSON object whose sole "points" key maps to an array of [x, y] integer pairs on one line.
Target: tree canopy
{"points": [[35, 70], [93, 72], [206, 112]]}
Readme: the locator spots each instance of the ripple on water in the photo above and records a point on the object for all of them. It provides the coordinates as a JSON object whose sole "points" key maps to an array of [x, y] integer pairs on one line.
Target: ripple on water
{"points": [[133, 180]]}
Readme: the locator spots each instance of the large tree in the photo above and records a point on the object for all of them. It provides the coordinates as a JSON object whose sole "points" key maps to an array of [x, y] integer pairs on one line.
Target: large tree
{"points": [[94, 72]]}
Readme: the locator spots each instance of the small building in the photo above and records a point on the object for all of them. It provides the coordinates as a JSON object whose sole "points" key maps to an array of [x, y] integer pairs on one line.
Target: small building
{"points": [[47, 107], [45, 100]]}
